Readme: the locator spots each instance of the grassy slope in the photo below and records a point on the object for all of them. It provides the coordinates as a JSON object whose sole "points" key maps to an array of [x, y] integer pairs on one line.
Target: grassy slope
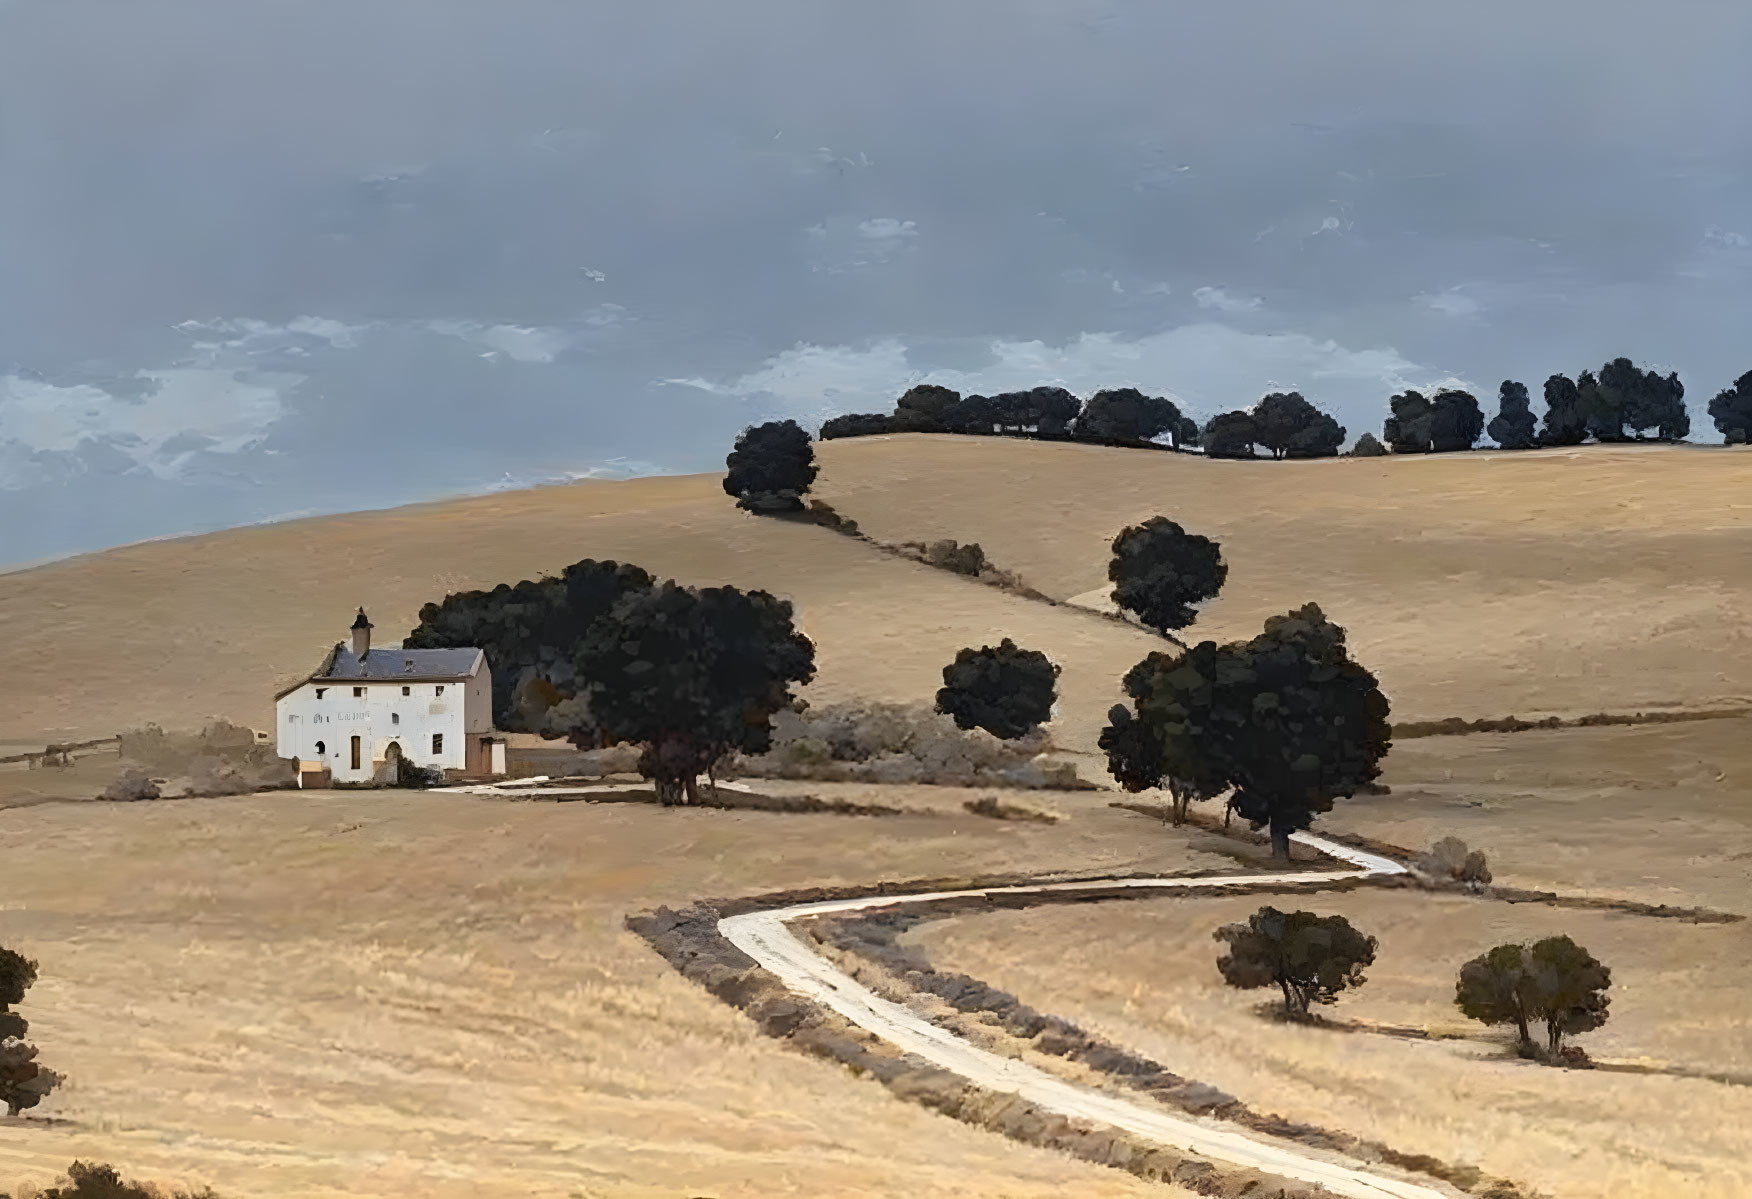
{"points": [[1474, 584]]}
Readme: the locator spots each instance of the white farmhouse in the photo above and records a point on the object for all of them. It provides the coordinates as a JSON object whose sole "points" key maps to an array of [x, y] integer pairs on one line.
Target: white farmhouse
{"points": [[364, 708]]}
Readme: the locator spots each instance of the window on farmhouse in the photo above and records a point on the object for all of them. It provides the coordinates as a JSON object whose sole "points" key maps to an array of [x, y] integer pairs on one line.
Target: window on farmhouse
{"points": [[395, 718], [319, 691], [437, 743], [438, 690], [358, 691], [407, 690]]}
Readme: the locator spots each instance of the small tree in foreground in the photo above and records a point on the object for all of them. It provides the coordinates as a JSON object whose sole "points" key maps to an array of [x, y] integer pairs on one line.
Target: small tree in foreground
{"points": [[1159, 571], [93, 1181], [1554, 981], [1004, 689], [690, 675], [1310, 958], [771, 467], [23, 1083]]}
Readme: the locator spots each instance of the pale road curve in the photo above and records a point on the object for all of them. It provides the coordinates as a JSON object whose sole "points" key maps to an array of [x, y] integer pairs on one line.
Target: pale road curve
{"points": [[764, 937]]}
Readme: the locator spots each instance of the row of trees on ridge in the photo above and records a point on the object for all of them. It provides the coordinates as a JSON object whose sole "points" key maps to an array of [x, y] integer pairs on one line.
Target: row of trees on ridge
{"points": [[1618, 403]]}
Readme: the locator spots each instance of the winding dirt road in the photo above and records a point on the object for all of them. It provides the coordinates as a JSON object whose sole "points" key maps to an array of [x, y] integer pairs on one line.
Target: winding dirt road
{"points": [[765, 937]]}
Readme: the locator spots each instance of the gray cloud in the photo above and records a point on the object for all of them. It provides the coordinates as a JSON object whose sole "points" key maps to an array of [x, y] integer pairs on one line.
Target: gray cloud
{"points": [[293, 255]]}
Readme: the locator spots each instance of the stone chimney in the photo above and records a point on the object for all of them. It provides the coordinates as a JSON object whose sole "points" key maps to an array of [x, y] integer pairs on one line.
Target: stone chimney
{"points": [[361, 635]]}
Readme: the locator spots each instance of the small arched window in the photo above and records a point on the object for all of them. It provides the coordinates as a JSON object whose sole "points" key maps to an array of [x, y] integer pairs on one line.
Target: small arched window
{"points": [[320, 751]]}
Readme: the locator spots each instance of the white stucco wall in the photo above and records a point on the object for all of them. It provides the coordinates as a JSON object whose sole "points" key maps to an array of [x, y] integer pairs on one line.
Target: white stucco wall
{"points": [[379, 714]]}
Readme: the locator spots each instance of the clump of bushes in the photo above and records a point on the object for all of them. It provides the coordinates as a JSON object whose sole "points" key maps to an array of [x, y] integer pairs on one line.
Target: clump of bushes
{"points": [[969, 560], [1449, 862], [130, 785], [222, 759], [93, 1181], [900, 743]]}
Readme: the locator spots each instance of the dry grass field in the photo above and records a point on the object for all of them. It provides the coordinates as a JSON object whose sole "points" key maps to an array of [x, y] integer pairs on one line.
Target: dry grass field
{"points": [[314, 994], [400, 995], [1656, 813]]}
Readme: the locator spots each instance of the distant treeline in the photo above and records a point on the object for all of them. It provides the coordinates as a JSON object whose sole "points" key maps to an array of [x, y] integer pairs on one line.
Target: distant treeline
{"points": [[1620, 403]]}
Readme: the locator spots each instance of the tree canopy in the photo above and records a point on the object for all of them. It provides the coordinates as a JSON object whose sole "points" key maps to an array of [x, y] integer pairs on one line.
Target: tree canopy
{"points": [[1159, 571], [1290, 427], [1627, 402], [1286, 719], [1004, 689], [771, 467], [1126, 415], [1407, 430], [1456, 422], [1368, 446], [858, 424], [924, 409], [1513, 427], [529, 631], [1731, 410], [1566, 418], [1230, 435], [23, 1083], [691, 675], [1553, 980], [1309, 958]]}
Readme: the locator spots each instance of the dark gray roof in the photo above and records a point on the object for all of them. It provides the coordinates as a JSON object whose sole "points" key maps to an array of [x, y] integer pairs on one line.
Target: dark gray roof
{"points": [[402, 664]]}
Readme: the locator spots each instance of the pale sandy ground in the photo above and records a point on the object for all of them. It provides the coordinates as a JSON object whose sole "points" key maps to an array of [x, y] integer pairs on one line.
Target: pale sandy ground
{"points": [[1637, 812], [419, 995]]}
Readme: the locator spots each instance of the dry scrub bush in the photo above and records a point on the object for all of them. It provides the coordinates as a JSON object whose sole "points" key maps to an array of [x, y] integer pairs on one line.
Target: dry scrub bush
{"points": [[130, 785], [92, 1181], [900, 743], [1449, 861], [222, 759]]}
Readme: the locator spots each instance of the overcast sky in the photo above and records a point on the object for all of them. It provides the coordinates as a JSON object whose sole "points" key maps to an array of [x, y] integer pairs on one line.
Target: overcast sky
{"points": [[273, 258]]}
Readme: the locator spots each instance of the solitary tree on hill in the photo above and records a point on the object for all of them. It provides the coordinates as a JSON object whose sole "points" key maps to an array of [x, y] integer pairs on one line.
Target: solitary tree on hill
{"points": [[1004, 689], [692, 676], [1368, 446], [1513, 427], [1159, 570], [771, 467], [1309, 958], [1731, 410], [1407, 431]]}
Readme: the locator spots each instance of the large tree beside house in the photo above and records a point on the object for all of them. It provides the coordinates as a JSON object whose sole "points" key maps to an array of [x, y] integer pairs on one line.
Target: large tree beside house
{"points": [[692, 676]]}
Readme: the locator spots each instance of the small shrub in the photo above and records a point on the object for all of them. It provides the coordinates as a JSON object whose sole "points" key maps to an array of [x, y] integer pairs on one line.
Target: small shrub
{"points": [[1448, 860], [997, 809], [1310, 958], [94, 1181], [130, 785]]}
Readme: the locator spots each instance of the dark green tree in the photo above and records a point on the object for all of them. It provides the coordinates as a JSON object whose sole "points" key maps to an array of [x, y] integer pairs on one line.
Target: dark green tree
{"points": [[1230, 435], [23, 1082], [1309, 958], [529, 631], [1159, 570], [1456, 423], [1126, 416], [972, 414], [1553, 980], [1167, 738], [924, 409], [857, 424], [1645, 405], [1731, 410], [692, 676], [1566, 416], [1004, 689], [1513, 427], [1368, 446], [1407, 431], [1288, 426], [771, 467]]}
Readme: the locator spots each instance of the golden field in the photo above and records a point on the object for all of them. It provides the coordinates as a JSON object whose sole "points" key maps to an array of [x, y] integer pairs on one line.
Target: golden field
{"points": [[353, 993]]}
